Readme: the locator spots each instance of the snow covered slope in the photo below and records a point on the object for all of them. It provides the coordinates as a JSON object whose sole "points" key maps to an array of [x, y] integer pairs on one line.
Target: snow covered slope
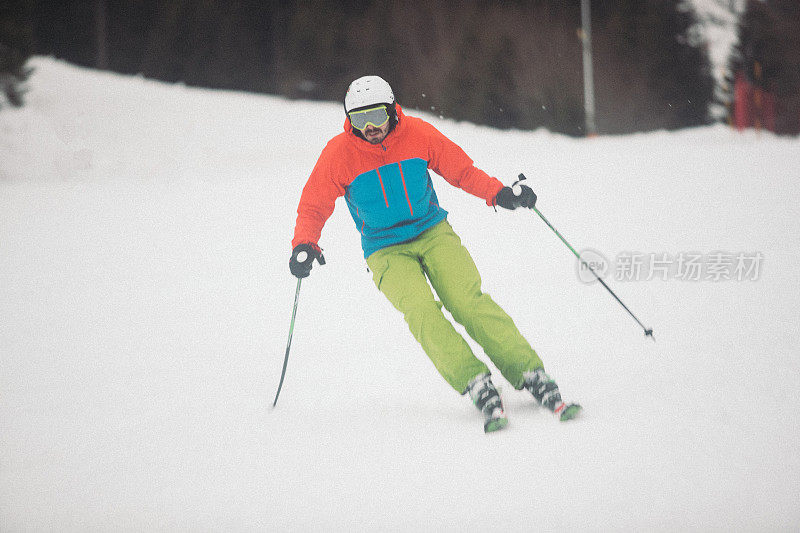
{"points": [[145, 303]]}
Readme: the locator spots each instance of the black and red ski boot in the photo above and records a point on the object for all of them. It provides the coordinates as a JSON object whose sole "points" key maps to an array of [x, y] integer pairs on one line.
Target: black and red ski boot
{"points": [[546, 393]]}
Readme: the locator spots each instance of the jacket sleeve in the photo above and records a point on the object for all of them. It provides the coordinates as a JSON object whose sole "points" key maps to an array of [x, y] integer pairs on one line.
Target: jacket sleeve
{"points": [[318, 199], [448, 160]]}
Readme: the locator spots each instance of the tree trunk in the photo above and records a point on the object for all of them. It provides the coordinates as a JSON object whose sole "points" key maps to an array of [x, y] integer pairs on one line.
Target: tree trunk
{"points": [[101, 34]]}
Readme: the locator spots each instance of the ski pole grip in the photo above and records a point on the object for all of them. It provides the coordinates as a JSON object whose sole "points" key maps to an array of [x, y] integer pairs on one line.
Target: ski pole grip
{"points": [[306, 257], [515, 188]]}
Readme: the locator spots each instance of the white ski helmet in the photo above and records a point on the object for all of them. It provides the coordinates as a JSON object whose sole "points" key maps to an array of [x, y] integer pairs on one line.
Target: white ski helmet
{"points": [[368, 90]]}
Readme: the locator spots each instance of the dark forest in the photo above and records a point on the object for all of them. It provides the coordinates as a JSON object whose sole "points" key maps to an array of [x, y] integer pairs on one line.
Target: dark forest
{"points": [[510, 64]]}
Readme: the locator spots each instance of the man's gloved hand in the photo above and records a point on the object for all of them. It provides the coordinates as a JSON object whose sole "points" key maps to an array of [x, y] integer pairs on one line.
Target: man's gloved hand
{"points": [[302, 259], [507, 199]]}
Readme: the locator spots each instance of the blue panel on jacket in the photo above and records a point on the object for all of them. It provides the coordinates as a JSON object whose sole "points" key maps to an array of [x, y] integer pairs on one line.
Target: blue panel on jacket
{"points": [[393, 203]]}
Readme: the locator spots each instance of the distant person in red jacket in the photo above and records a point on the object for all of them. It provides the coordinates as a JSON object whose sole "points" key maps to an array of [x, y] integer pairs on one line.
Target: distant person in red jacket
{"points": [[380, 165]]}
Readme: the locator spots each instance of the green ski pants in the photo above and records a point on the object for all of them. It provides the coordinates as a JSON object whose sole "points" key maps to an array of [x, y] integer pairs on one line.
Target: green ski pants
{"points": [[399, 272]]}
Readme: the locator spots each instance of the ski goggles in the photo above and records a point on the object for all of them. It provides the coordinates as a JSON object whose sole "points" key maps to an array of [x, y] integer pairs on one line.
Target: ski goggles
{"points": [[377, 117]]}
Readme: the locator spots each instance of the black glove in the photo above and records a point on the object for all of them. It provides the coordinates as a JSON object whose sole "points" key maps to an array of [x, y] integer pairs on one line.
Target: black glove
{"points": [[507, 199], [301, 269]]}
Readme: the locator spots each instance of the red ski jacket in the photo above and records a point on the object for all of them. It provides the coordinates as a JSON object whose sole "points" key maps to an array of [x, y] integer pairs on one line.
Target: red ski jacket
{"points": [[387, 186]]}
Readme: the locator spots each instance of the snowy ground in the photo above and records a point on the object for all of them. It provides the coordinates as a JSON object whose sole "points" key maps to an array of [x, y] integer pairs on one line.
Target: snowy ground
{"points": [[145, 303]]}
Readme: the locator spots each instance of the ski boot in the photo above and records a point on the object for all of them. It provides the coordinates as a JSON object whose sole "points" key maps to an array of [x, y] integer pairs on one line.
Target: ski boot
{"points": [[486, 398], [546, 393]]}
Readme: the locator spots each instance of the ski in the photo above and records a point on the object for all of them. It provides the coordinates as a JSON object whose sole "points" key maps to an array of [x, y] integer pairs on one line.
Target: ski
{"points": [[567, 411], [495, 424]]}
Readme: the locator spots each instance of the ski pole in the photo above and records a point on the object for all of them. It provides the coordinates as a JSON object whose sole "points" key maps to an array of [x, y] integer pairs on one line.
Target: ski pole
{"points": [[648, 332], [289, 343]]}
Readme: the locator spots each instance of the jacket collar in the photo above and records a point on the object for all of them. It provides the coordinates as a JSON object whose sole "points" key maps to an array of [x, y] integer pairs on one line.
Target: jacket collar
{"points": [[387, 143]]}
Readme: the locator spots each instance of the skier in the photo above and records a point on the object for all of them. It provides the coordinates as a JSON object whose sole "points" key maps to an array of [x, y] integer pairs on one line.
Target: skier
{"points": [[380, 165]]}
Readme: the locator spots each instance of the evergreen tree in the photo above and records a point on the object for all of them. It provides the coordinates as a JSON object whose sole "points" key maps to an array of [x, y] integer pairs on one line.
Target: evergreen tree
{"points": [[16, 44], [649, 73]]}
